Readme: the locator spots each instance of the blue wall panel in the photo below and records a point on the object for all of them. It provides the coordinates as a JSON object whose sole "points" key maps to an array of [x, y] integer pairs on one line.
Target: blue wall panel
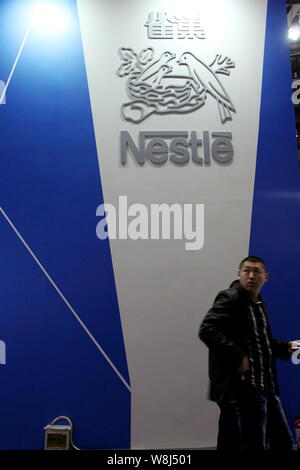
{"points": [[276, 203], [50, 188]]}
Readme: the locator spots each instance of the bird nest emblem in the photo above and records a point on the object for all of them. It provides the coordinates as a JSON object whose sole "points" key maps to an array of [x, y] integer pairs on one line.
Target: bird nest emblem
{"points": [[166, 85]]}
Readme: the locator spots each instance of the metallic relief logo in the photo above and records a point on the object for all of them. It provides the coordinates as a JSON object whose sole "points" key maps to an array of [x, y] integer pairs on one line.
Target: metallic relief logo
{"points": [[167, 26], [164, 85]]}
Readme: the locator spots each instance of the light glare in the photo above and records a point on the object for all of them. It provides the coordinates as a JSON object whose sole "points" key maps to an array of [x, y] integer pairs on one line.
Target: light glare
{"points": [[294, 32], [49, 18]]}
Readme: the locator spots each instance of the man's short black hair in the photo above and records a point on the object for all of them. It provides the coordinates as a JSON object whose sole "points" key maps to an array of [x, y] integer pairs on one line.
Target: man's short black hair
{"points": [[253, 259]]}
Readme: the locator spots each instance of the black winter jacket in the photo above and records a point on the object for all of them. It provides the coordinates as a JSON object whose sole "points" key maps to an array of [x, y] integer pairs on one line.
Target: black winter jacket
{"points": [[225, 331]]}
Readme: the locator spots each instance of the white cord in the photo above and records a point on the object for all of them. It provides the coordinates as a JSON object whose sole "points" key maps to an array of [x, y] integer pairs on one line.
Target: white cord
{"points": [[71, 425]]}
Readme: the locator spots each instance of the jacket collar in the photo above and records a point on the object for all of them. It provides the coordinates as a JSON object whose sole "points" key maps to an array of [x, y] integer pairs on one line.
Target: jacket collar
{"points": [[244, 294]]}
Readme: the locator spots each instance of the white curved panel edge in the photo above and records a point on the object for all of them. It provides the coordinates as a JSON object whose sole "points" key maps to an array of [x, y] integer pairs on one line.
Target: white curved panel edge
{"points": [[164, 290]]}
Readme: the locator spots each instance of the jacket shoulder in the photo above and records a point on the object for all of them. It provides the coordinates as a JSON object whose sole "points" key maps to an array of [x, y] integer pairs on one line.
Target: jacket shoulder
{"points": [[232, 293]]}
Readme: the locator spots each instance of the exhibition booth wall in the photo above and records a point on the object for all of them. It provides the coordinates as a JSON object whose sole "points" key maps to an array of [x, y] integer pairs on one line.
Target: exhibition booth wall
{"points": [[170, 128]]}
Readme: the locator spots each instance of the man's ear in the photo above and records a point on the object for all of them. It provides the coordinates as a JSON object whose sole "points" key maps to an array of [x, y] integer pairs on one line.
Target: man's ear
{"points": [[267, 276]]}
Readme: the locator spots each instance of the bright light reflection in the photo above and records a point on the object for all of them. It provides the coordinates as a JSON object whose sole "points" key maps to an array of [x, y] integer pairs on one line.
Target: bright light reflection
{"points": [[50, 18], [294, 32]]}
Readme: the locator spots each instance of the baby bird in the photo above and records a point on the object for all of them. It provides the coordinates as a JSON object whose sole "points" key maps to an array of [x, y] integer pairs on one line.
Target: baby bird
{"points": [[164, 70], [153, 68]]}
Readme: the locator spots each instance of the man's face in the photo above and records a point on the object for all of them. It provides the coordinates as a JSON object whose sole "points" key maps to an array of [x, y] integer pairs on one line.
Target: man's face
{"points": [[252, 277]]}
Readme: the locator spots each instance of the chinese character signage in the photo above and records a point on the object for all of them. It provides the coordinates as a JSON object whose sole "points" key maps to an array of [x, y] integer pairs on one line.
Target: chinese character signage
{"points": [[166, 26]]}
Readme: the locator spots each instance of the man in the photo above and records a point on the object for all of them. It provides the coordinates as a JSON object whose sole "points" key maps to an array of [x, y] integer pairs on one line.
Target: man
{"points": [[242, 369]]}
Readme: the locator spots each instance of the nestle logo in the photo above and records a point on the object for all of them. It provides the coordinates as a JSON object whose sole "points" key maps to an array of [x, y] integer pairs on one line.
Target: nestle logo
{"points": [[178, 147], [164, 85]]}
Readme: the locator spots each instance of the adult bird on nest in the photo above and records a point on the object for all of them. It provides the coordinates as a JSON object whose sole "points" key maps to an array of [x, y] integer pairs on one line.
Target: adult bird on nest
{"points": [[205, 79]]}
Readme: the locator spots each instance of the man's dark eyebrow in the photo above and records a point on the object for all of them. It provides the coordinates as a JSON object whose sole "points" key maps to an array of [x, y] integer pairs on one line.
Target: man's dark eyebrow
{"points": [[257, 268]]}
